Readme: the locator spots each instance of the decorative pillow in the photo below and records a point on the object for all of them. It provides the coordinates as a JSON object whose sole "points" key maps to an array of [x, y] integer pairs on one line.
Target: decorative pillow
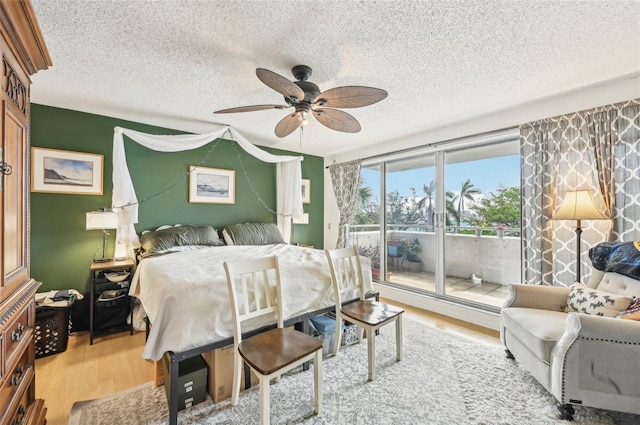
{"points": [[583, 299], [632, 313], [254, 233], [227, 237], [163, 240]]}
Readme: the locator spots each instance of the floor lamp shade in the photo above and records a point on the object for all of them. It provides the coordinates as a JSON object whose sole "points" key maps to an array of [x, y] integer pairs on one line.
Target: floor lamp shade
{"points": [[102, 220], [578, 205]]}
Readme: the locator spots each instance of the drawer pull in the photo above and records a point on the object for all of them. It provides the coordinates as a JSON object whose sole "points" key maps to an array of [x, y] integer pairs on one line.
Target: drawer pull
{"points": [[19, 418], [16, 335], [16, 379]]}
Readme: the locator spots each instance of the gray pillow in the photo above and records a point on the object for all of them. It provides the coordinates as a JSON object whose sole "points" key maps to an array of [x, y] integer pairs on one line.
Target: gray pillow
{"points": [[162, 240], [254, 233]]}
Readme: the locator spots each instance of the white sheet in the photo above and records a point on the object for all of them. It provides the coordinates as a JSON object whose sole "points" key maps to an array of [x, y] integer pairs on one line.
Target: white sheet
{"points": [[186, 299]]}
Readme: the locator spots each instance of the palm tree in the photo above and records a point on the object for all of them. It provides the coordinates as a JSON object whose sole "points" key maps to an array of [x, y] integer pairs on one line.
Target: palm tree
{"points": [[452, 212], [451, 209], [466, 193], [429, 191], [364, 195], [362, 203]]}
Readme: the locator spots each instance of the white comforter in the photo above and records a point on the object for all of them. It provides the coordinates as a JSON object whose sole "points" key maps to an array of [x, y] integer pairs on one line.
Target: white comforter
{"points": [[185, 294]]}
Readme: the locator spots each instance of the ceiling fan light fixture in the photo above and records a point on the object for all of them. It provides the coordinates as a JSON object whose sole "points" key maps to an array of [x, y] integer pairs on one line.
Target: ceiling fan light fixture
{"points": [[302, 118]]}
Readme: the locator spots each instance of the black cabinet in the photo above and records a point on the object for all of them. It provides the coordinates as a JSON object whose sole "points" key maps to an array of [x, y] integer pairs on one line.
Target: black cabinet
{"points": [[110, 305]]}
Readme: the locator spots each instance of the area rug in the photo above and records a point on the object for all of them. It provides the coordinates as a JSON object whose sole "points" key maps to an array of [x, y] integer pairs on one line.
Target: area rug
{"points": [[443, 379]]}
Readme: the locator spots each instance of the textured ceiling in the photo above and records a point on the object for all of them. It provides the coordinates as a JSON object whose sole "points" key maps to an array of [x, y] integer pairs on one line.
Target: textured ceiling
{"points": [[172, 63]]}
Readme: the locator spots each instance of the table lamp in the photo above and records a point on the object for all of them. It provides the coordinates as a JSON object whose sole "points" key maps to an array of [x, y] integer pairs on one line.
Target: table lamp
{"points": [[578, 205], [102, 220]]}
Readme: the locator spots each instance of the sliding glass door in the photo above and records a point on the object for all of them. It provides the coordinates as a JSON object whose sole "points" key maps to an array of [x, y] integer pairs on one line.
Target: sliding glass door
{"points": [[411, 201], [445, 222], [482, 242]]}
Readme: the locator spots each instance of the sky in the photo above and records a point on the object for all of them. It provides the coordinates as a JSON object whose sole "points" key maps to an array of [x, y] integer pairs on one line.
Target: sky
{"points": [[485, 174]]}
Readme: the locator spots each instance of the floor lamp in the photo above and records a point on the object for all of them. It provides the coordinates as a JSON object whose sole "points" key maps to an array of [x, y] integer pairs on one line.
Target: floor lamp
{"points": [[578, 205]]}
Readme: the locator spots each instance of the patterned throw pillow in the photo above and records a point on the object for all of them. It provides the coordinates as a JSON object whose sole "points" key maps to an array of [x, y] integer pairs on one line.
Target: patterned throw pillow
{"points": [[632, 313], [583, 299]]}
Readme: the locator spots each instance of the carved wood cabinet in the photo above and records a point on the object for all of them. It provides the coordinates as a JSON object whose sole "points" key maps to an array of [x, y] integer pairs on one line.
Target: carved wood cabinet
{"points": [[23, 54]]}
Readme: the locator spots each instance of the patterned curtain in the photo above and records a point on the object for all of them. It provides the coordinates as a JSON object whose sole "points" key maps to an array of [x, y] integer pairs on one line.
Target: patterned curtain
{"points": [[345, 179], [598, 149]]}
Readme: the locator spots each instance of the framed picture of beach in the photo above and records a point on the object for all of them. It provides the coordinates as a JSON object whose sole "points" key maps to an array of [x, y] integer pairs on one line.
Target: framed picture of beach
{"points": [[212, 185], [58, 171]]}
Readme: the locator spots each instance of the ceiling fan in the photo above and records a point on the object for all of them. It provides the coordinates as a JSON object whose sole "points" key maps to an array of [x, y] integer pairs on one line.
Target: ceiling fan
{"points": [[306, 97]]}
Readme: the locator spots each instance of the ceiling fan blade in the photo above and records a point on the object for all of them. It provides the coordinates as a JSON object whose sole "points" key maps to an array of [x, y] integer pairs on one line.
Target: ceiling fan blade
{"points": [[287, 125], [280, 84], [350, 97], [337, 120], [250, 108]]}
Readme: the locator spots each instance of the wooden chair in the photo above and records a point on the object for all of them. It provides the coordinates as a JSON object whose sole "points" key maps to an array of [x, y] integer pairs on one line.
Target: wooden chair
{"points": [[255, 292], [369, 315]]}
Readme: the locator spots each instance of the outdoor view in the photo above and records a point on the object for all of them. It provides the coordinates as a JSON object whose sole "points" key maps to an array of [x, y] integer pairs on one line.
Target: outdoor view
{"points": [[465, 246]]}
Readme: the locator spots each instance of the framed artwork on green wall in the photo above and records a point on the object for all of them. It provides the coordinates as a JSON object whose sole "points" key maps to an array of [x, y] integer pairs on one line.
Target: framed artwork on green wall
{"points": [[212, 185], [58, 171], [306, 191]]}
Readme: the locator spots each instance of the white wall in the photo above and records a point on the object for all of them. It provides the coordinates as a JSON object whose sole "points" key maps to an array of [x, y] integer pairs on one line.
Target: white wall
{"points": [[590, 97]]}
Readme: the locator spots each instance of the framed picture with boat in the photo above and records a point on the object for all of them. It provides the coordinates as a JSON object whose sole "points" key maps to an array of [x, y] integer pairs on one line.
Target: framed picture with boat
{"points": [[59, 171], [212, 185]]}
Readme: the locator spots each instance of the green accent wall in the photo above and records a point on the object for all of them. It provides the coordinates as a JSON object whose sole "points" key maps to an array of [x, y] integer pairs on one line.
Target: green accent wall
{"points": [[61, 247]]}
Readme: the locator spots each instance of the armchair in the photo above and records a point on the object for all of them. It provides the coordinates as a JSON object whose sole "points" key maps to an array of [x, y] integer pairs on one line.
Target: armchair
{"points": [[581, 359]]}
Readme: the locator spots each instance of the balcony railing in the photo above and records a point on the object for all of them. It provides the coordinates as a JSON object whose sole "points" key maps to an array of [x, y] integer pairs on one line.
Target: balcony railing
{"points": [[491, 254]]}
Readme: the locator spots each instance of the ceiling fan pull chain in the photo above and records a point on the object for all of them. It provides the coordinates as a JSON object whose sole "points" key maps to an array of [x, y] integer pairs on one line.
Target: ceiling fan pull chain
{"points": [[301, 130]]}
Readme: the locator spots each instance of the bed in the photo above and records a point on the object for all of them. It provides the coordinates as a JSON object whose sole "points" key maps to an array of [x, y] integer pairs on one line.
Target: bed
{"points": [[181, 284]]}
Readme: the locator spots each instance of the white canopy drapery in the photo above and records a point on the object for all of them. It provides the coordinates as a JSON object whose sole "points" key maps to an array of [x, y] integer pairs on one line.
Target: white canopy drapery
{"points": [[125, 202]]}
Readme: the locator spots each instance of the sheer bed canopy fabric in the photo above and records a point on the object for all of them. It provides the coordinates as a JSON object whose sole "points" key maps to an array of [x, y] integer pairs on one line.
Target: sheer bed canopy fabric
{"points": [[596, 149], [125, 202]]}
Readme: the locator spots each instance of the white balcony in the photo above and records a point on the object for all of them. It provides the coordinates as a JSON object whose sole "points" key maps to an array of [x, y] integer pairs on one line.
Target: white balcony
{"points": [[493, 258]]}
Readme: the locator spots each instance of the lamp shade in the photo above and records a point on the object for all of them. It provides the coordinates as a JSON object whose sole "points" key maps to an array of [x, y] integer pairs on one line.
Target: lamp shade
{"points": [[578, 205], [102, 220]]}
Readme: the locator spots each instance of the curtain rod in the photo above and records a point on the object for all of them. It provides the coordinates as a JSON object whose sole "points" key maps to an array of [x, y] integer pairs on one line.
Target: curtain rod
{"points": [[466, 139]]}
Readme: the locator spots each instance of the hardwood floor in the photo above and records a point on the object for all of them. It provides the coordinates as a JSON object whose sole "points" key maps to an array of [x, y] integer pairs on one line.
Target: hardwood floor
{"points": [[115, 363], [82, 372]]}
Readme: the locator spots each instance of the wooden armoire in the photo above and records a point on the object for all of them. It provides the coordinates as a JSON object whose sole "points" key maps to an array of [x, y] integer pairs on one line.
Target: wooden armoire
{"points": [[23, 54]]}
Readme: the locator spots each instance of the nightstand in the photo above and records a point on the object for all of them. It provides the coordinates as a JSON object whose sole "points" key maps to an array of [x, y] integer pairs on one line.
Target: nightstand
{"points": [[110, 304]]}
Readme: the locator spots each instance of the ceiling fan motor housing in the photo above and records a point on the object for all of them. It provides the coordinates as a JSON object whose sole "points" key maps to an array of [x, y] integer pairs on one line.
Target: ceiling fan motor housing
{"points": [[311, 91]]}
